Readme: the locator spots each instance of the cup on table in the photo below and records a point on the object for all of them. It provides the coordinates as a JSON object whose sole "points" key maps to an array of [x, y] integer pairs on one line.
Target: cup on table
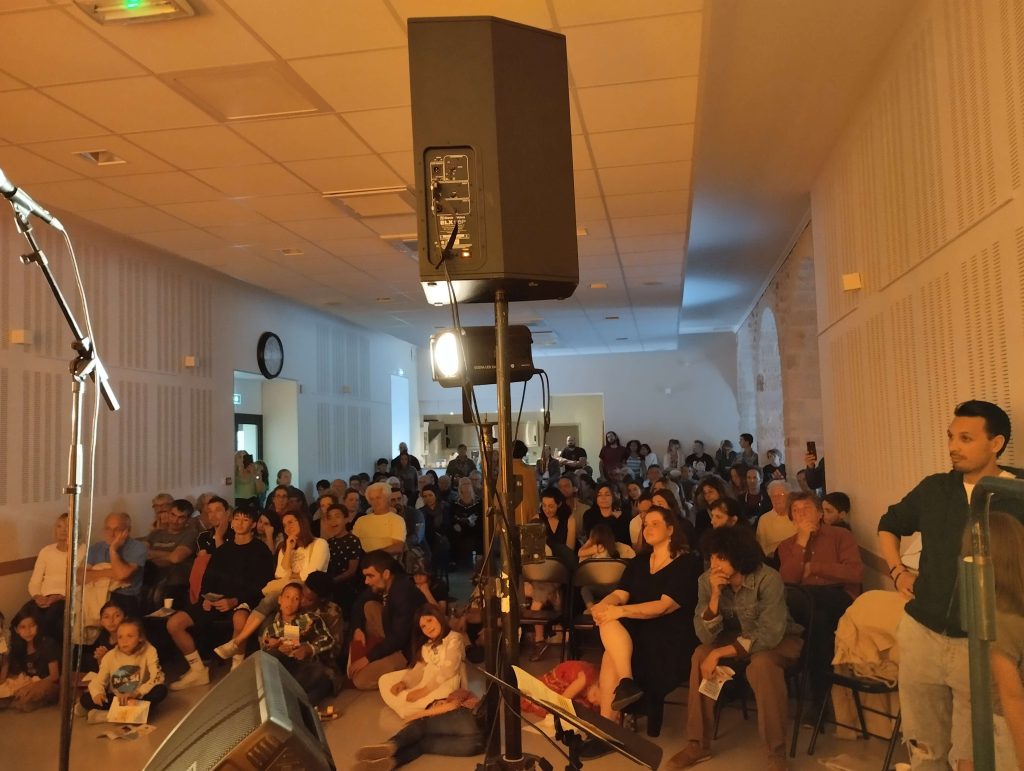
{"points": [[169, 603]]}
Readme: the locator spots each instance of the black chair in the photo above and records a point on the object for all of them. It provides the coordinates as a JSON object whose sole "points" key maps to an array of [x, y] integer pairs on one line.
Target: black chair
{"points": [[801, 609], [857, 686], [593, 572], [552, 571]]}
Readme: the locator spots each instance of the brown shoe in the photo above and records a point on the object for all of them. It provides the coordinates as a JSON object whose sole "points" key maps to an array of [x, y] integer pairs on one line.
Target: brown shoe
{"points": [[777, 763], [690, 755]]}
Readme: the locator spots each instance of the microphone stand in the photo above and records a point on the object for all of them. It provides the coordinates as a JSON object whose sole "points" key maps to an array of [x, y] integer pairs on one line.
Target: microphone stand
{"points": [[86, 364]]}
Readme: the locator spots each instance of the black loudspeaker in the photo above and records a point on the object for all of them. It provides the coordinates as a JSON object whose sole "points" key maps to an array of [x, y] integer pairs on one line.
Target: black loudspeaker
{"points": [[256, 718], [533, 538], [493, 156]]}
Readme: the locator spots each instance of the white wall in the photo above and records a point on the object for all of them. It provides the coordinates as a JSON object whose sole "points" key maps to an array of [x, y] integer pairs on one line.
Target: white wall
{"points": [[701, 378], [923, 198], [175, 431], [281, 429]]}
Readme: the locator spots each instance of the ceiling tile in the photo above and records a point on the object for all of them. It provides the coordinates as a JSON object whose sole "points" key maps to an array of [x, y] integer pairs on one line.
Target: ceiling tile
{"points": [[591, 246], [649, 226], [154, 105], [356, 250], [286, 208], [639, 105], [589, 209], [399, 224], [23, 167], [181, 242], [533, 13], [136, 219], [65, 151], [634, 50], [325, 232], [215, 38], [363, 81], [402, 163], [321, 26], [8, 83], [268, 235], [598, 261], [297, 139], [80, 195], [670, 241], [47, 47], [213, 213], [673, 257], [649, 178], [353, 173], [572, 12], [28, 116], [168, 187], [585, 183], [641, 204], [262, 179], [662, 144], [385, 131], [200, 148], [581, 152], [596, 227]]}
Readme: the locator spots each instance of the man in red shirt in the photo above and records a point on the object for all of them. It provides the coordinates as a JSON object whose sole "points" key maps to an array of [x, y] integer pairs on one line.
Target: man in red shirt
{"points": [[825, 560]]}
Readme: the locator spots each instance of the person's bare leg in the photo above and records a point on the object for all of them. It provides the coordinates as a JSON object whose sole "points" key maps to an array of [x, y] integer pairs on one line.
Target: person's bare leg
{"points": [[249, 627], [619, 646], [608, 679], [177, 628]]}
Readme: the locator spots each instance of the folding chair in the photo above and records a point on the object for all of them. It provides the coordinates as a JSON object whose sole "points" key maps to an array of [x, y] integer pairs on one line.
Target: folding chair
{"points": [[593, 572], [857, 686], [551, 571]]}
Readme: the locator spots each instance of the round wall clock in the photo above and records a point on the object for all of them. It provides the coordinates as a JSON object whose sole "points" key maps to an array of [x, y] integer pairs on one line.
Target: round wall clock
{"points": [[270, 355]]}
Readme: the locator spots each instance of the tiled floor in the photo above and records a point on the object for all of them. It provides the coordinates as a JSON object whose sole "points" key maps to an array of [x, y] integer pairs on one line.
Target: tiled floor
{"points": [[29, 742]]}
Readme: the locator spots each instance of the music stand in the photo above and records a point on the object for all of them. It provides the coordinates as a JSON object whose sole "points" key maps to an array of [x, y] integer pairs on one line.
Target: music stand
{"points": [[590, 724]]}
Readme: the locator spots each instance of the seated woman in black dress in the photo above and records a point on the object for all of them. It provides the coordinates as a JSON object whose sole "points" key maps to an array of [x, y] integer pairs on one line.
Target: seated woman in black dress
{"points": [[646, 624]]}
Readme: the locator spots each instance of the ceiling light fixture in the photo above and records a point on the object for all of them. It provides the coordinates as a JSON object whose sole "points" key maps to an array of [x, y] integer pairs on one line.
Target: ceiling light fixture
{"points": [[599, 285], [133, 11], [611, 318], [581, 231], [383, 299], [290, 252], [100, 157], [365, 191]]}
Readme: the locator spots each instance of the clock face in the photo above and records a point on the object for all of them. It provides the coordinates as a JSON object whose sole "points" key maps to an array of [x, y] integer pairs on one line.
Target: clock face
{"points": [[270, 355]]}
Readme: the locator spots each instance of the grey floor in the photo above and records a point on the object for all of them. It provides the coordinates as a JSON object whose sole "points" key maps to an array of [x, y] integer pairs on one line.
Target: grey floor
{"points": [[30, 741]]}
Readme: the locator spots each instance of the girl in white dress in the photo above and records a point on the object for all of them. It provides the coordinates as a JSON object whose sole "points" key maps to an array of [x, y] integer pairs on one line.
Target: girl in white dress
{"points": [[439, 668]]}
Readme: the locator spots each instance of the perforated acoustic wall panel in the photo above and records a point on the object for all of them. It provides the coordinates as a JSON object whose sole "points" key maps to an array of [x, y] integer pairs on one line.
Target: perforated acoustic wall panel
{"points": [[174, 431], [937, 143]]}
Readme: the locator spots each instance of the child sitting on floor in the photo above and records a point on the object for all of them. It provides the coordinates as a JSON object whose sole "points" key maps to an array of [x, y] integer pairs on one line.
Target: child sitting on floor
{"points": [[30, 678], [129, 673], [297, 638], [111, 617]]}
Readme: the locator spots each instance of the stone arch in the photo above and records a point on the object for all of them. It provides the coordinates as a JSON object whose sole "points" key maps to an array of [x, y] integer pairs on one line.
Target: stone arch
{"points": [[768, 385]]}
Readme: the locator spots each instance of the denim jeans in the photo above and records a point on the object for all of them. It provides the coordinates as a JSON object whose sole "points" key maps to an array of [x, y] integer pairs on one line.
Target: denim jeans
{"points": [[935, 696], [454, 733]]}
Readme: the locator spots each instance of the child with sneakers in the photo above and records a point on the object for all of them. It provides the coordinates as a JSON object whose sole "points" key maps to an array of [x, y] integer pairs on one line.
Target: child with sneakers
{"points": [[129, 673]]}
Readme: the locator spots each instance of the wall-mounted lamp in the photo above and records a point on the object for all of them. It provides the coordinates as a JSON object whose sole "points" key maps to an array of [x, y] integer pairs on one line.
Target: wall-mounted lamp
{"points": [[852, 282], [189, 362], [20, 337]]}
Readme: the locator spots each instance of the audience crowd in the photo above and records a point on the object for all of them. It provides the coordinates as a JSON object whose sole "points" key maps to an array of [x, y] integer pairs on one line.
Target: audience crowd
{"points": [[350, 588]]}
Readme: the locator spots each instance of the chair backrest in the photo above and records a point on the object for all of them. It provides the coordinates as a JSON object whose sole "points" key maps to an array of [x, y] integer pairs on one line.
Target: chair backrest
{"points": [[604, 572], [549, 570]]}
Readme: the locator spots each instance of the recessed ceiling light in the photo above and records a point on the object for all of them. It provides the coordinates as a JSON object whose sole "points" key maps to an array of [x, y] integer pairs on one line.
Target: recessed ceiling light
{"points": [[612, 318], [289, 252], [581, 231], [622, 338], [101, 157], [599, 285], [383, 299]]}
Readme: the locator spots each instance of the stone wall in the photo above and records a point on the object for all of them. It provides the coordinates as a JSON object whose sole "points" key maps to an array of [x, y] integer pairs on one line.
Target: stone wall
{"points": [[778, 379]]}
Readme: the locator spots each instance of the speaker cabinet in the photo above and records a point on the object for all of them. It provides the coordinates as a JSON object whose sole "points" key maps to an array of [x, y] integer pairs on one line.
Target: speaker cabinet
{"points": [[256, 718], [493, 157]]}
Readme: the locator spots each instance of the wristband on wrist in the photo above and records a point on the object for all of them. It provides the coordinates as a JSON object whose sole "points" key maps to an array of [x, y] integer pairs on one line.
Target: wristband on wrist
{"points": [[899, 573]]}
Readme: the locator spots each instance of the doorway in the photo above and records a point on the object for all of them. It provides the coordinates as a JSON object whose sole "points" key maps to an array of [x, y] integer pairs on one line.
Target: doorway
{"points": [[249, 433]]}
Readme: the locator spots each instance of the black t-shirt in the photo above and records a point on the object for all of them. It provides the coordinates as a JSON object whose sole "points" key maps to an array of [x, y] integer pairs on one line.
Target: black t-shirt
{"points": [[707, 463], [574, 453], [343, 548], [205, 541], [240, 571], [37, 664]]}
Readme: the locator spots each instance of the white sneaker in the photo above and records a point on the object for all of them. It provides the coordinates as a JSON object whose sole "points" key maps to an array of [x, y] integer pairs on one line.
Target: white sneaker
{"points": [[227, 650], [236, 662], [191, 679]]}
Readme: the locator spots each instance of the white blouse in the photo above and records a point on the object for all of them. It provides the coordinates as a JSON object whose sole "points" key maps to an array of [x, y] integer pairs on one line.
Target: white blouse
{"points": [[441, 663]]}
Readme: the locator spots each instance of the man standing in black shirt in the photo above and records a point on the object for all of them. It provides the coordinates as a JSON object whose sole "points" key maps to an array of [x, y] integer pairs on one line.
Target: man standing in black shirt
{"points": [[934, 690]]}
